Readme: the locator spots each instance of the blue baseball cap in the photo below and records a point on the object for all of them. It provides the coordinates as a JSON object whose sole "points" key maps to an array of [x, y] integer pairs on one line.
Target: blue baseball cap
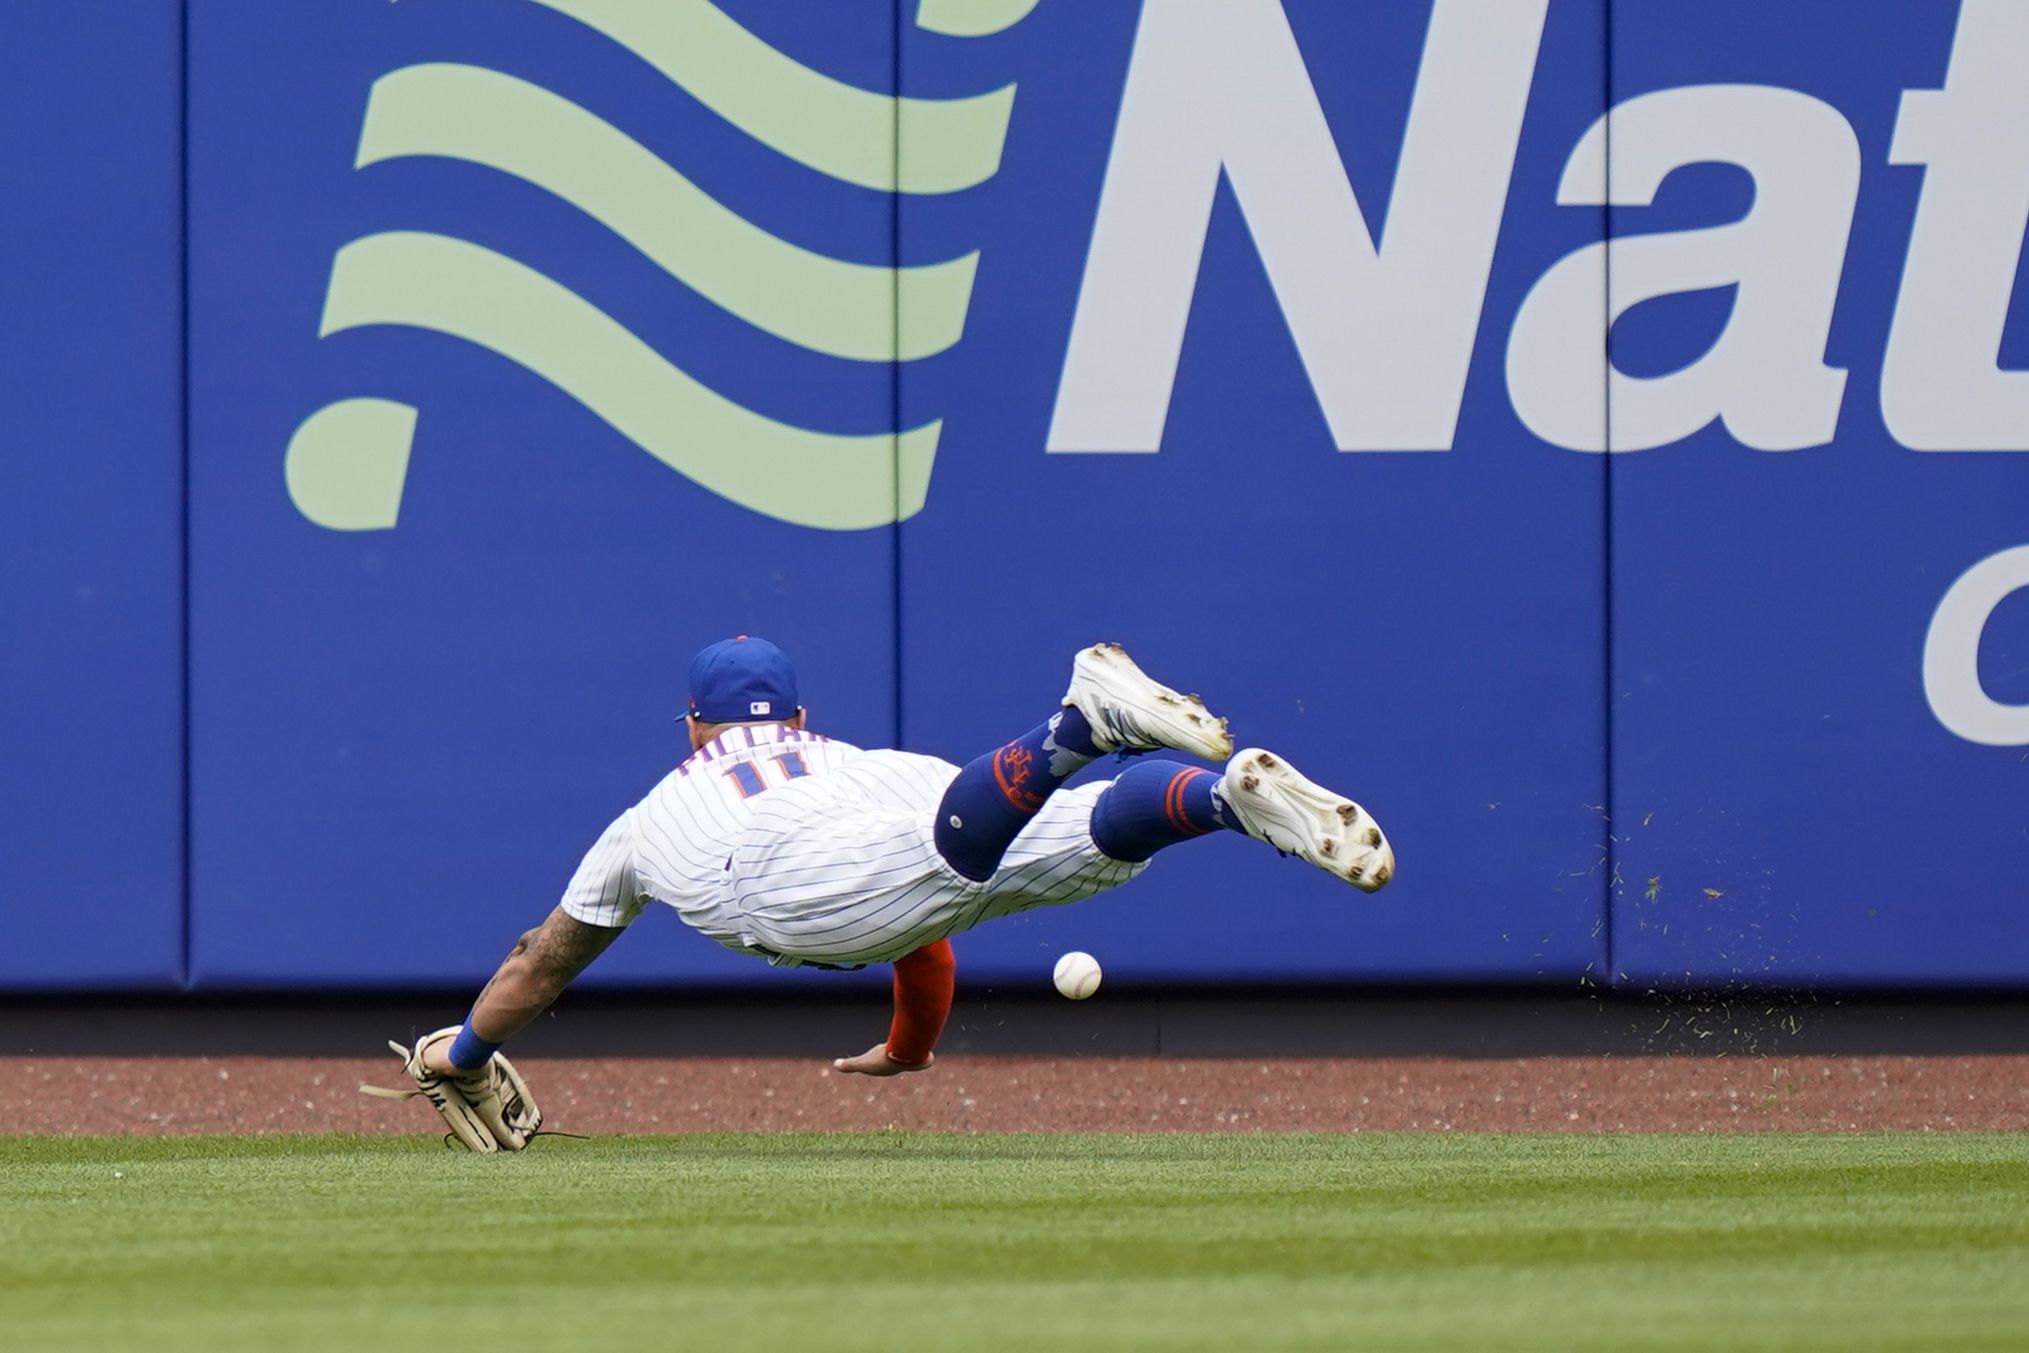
{"points": [[742, 680]]}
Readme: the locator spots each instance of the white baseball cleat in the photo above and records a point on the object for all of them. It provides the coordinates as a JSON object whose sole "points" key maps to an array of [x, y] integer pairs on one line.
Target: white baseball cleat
{"points": [[1128, 708], [1279, 806]]}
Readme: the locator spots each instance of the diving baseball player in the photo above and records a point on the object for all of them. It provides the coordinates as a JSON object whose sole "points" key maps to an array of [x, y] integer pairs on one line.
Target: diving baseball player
{"points": [[779, 842]]}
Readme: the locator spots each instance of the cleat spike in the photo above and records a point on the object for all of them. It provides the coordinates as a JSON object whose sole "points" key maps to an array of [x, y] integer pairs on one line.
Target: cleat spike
{"points": [[1131, 712], [1273, 802]]}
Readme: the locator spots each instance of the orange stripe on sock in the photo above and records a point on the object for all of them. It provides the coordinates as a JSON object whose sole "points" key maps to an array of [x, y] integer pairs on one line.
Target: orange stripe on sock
{"points": [[1173, 802]]}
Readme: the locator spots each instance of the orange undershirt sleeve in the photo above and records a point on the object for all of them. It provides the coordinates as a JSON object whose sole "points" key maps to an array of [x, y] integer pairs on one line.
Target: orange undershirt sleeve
{"points": [[923, 985]]}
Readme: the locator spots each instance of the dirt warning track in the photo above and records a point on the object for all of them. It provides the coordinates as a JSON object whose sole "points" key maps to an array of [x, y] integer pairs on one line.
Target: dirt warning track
{"points": [[155, 1095]]}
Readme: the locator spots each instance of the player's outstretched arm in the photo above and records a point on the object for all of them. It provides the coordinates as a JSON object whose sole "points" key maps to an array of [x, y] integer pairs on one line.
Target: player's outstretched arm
{"points": [[531, 977], [924, 982], [480, 1095]]}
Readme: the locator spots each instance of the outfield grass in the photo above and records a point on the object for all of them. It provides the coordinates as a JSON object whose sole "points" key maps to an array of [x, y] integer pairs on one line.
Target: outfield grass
{"points": [[898, 1241]]}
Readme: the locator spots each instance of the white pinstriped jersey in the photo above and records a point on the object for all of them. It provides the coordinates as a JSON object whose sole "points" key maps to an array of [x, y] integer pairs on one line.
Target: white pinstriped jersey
{"points": [[783, 843], [675, 845]]}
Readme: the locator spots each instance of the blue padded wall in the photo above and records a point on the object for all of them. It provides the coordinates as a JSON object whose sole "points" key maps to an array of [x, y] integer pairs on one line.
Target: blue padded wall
{"points": [[532, 346], [1421, 629], [1788, 808], [406, 737], [91, 476]]}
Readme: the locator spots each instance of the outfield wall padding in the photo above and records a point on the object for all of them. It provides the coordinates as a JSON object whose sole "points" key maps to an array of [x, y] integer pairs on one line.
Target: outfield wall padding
{"points": [[92, 815], [1591, 434]]}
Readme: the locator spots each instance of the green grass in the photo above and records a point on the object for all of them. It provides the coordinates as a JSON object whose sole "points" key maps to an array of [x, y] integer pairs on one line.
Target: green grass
{"points": [[898, 1241]]}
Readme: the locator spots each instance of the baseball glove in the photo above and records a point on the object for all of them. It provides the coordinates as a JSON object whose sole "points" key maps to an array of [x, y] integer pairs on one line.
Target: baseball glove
{"points": [[488, 1110]]}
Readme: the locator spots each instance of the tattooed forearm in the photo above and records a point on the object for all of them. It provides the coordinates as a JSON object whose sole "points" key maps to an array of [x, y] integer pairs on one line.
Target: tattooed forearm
{"points": [[507, 965], [535, 973], [565, 946]]}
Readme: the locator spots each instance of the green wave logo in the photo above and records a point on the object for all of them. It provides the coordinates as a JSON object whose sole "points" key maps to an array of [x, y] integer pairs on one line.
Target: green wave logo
{"points": [[347, 463]]}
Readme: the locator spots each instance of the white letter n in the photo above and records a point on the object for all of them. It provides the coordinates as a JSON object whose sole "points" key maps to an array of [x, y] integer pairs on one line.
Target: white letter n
{"points": [[1385, 335]]}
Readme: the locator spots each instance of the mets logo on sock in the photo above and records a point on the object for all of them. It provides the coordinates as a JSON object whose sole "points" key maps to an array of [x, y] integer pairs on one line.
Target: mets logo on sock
{"points": [[347, 462]]}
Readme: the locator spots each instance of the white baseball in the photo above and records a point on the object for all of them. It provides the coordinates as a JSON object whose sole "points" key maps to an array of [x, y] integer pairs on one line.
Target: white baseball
{"points": [[1077, 974]]}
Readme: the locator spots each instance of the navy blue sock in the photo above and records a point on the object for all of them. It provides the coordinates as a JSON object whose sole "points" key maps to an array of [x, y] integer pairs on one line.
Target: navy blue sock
{"points": [[1074, 735], [1153, 804], [994, 797]]}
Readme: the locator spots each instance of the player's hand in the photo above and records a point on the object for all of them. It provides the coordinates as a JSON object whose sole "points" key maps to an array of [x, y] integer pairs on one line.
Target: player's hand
{"points": [[876, 1062], [488, 1109]]}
